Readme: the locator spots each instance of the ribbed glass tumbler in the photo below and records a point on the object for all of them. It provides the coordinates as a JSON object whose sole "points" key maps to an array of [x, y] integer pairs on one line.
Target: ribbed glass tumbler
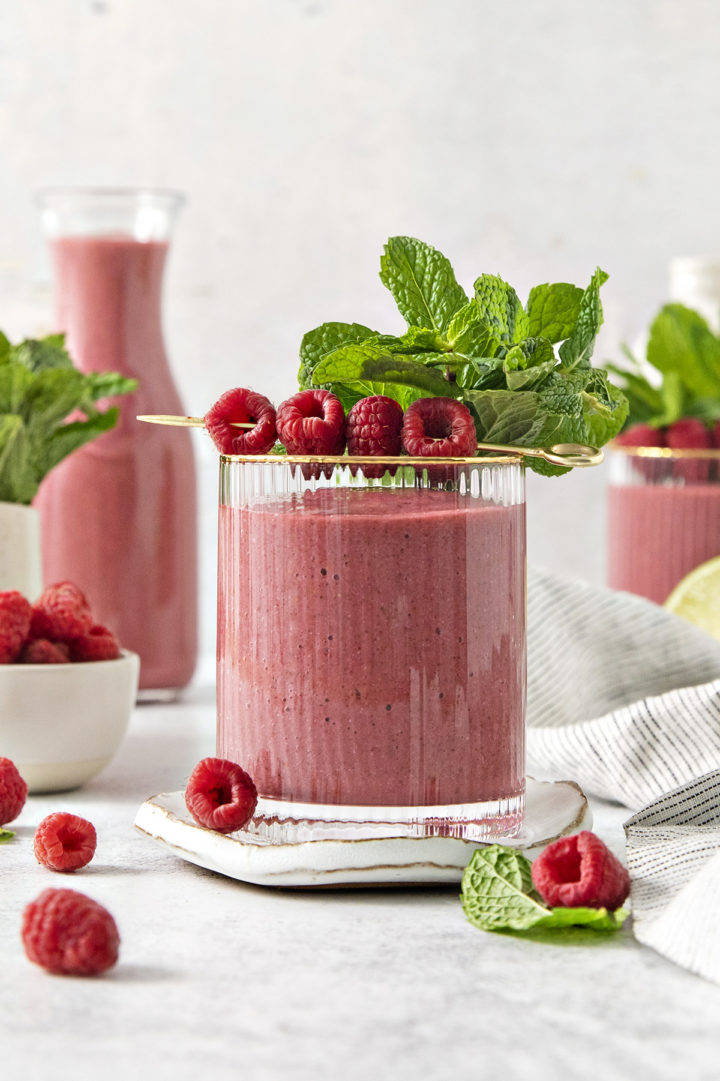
{"points": [[371, 642]]}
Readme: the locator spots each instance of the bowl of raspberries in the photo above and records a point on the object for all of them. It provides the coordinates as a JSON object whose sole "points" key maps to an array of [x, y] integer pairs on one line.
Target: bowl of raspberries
{"points": [[67, 688]]}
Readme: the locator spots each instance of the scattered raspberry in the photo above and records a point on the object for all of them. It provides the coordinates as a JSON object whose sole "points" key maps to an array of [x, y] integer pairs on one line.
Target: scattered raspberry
{"points": [[439, 428], [220, 795], [15, 616], [245, 407], [43, 651], [99, 644], [312, 422], [688, 434], [373, 427], [64, 842], [641, 435], [580, 871], [61, 614], [69, 934], [13, 791]]}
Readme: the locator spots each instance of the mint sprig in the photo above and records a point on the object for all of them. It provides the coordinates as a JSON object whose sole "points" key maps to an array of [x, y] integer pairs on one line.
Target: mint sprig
{"points": [[488, 351], [497, 895], [39, 389], [685, 355]]}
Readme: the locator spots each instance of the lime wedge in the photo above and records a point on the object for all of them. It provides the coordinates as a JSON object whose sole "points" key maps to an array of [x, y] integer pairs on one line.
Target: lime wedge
{"points": [[696, 597]]}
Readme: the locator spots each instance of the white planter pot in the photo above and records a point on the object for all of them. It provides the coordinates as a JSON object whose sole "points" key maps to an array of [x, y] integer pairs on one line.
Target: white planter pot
{"points": [[20, 557]]}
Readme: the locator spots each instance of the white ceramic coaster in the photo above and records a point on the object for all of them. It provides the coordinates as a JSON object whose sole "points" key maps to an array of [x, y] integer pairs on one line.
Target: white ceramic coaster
{"points": [[553, 809]]}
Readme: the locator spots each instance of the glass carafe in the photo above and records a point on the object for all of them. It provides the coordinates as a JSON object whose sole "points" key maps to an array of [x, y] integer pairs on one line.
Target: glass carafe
{"points": [[118, 517]]}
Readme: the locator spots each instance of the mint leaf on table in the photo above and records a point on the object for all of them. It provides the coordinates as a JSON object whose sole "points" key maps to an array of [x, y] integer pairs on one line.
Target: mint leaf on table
{"points": [[500, 308], [497, 895], [422, 282], [5, 836], [576, 350], [553, 311]]}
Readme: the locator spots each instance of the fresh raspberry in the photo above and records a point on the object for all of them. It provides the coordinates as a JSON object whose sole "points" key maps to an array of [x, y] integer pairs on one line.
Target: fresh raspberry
{"points": [[69, 934], [99, 644], [580, 871], [220, 795], [15, 616], [13, 791], [43, 651], [373, 428], [61, 613], [245, 407], [64, 842], [641, 435], [439, 428], [688, 434], [312, 422]]}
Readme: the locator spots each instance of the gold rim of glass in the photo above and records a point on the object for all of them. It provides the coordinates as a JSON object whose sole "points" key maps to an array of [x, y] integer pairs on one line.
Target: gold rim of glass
{"points": [[668, 453], [360, 459]]}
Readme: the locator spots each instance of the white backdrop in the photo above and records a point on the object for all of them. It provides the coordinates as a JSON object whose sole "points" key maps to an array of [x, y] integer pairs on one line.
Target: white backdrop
{"points": [[535, 140]]}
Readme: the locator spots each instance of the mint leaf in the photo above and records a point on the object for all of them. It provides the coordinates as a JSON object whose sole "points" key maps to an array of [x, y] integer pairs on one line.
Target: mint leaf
{"points": [[468, 333], [353, 392], [17, 477], [5, 836], [422, 282], [528, 364], [4, 348], [69, 437], [497, 895], [38, 355], [576, 351], [486, 374], [681, 341], [598, 919], [323, 339], [371, 362], [553, 310], [496, 891], [500, 308]]}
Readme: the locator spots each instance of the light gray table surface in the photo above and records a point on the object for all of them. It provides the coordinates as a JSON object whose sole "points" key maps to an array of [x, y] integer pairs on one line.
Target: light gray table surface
{"points": [[215, 975]]}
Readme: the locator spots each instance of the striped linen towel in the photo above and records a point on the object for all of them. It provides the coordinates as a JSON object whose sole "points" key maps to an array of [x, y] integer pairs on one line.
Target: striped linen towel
{"points": [[624, 698]]}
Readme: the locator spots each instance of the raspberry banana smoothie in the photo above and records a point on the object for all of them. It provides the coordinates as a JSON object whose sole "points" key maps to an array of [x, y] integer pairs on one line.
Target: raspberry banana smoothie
{"points": [[371, 640]]}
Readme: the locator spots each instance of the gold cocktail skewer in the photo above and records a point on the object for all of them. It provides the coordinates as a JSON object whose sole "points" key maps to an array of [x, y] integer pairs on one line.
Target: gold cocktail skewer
{"points": [[574, 455]]}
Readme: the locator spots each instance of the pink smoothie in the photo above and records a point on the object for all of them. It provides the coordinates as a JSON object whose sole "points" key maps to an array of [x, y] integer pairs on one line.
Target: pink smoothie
{"points": [[658, 534], [371, 646], [119, 515]]}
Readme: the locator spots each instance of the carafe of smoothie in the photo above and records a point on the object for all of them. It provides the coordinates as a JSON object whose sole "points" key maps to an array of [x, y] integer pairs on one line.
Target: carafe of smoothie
{"points": [[371, 642], [118, 517]]}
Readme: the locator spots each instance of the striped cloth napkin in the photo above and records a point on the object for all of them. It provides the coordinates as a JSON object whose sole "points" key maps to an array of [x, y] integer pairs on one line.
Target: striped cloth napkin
{"points": [[624, 698]]}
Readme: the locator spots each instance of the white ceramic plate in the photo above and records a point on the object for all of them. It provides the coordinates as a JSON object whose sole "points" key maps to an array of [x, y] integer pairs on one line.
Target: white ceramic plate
{"points": [[553, 809]]}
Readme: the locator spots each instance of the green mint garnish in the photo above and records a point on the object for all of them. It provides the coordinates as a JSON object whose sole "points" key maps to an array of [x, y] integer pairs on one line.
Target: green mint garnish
{"points": [[490, 352], [39, 389], [686, 353], [5, 836], [498, 895]]}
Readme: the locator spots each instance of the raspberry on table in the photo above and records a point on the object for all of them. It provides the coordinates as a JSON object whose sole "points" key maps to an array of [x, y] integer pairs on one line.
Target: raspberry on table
{"points": [[64, 842], [13, 791], [69, 934], [99, 644], [312, 422], [439, 428], [244, 407], [580, 871], [43, 651], [220, 795], [61, 613], [373, 428], [15, 617]]}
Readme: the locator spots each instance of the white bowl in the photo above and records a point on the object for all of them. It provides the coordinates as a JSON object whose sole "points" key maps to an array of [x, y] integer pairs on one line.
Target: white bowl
{"points": [[62, 723]]}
